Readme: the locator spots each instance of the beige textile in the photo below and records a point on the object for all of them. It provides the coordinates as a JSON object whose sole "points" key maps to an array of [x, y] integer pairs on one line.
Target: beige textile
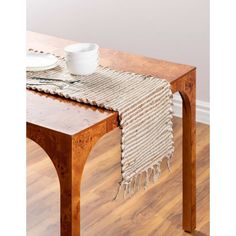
{"points": [[144, 105]]}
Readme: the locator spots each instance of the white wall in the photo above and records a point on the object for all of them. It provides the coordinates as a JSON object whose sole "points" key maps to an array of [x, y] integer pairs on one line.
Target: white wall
{"points": [[175, 30]]}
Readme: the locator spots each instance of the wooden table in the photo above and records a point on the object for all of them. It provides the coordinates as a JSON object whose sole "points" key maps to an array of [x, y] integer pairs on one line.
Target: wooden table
{"points": [[68, 130]]}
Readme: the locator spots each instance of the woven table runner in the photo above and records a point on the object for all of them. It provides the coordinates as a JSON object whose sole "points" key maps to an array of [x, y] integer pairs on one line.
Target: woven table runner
{"points": [[144, 105]]}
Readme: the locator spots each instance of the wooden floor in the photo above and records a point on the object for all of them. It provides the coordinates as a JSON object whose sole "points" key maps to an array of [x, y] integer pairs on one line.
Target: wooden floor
{"points": [[152, 212]]}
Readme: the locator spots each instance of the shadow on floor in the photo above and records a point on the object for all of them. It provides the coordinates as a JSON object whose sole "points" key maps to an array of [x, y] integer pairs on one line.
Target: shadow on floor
{"points": [[198, 233]]}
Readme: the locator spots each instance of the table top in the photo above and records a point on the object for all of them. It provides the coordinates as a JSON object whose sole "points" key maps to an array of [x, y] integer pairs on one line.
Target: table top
{"points": [[63, 115], [71, 117]]}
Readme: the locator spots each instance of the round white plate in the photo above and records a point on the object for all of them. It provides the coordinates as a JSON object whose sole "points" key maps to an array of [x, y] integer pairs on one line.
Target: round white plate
{"points": [[40, 61]]}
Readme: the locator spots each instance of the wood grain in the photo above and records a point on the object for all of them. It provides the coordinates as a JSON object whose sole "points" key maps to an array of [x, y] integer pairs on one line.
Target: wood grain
{"points": [[155, 212], [63, 115]]}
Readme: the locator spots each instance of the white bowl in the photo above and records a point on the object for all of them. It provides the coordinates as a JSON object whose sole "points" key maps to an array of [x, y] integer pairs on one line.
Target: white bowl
{"points": [[81, 49], [82, 58], [82, 68]]}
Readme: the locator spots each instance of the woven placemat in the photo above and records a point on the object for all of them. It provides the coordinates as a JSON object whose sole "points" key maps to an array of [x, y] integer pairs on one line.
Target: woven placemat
{"points": [[144, 105]]}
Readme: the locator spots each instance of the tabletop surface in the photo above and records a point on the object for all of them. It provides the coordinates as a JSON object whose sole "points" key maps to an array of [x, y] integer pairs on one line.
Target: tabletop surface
{"points": [[63, 115], [71, 117]]}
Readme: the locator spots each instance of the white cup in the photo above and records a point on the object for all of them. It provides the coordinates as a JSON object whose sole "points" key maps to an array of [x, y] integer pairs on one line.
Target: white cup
{"points": [[82, 67], [82, 58]]}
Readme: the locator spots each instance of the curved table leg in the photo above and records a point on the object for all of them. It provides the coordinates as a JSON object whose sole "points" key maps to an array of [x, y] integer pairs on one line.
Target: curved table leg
{"points": [[188, 93], [69, 155], [186, 85]]}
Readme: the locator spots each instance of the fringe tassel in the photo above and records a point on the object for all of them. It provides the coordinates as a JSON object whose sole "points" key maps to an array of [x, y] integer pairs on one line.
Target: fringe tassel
{"points": [[169, 165], [151, 175], [168, 162]]}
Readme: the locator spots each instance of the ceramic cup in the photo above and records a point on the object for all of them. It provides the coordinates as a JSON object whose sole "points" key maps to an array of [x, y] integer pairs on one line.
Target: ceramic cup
{"points": [[82, 58], [82, 68]]}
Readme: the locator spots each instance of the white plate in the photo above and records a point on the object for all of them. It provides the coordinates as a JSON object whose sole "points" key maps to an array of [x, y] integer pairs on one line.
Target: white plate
{"points": [[40, 61]]}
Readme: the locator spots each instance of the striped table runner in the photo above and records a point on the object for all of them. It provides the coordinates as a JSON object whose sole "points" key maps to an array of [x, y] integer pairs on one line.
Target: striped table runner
{"points": [[144, 105]]}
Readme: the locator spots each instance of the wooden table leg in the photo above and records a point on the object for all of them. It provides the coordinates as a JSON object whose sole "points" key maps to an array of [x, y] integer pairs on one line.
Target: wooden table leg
{"points": [[70, 181], [188, 93], [69, 155]]}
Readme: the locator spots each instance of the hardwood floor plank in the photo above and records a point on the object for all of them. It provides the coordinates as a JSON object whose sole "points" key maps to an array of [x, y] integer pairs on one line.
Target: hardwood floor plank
{"points": [[156, 211]]}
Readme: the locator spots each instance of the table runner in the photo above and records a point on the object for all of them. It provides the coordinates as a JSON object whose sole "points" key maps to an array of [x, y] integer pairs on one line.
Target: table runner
{"points": [[144, 106]]}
